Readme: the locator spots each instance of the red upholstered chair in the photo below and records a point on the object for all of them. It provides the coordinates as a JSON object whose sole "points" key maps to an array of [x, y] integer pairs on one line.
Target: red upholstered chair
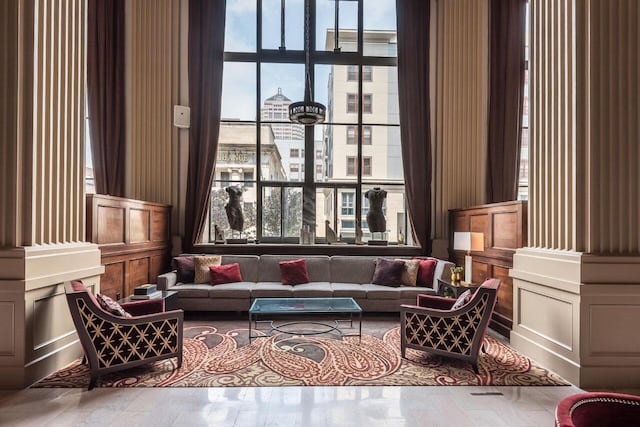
{"points": [[113, 343], [598, 409], [434, 327]]}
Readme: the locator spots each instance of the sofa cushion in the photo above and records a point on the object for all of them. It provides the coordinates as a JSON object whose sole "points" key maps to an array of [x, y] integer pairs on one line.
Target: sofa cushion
{"points": [[192, 290], [271, 290], [381, 292], [353, 290], [388, 272], [248, 265], [201, 266], [229, 273], [232, 290], [317, 267], [352, 269], [426, 271], [185, 269], [294, 272], [410, 272], [412, 292], [313, 290]]}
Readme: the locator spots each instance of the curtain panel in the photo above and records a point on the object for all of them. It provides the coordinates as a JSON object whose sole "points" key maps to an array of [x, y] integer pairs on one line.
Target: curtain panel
{"points": [[105, 94], [206, 50], [413, 94], [506, 93]]}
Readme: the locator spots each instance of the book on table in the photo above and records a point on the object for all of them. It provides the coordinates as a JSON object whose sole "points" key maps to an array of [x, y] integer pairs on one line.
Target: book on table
{"points": [[156, 294], [146, 289]]}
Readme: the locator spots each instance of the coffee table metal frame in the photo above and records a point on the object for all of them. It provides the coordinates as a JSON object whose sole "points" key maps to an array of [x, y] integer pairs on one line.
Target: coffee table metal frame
{"points": [[304, 306]]}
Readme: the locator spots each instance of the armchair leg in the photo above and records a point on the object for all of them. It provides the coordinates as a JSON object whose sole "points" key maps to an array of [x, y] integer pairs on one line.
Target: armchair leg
{"points": [[93, 380], [475, 368], [179, 360]]}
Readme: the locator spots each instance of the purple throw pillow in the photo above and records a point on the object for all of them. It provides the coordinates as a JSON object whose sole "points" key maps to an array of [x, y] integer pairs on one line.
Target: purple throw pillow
{"points": [[185, 269], [388, 272]]}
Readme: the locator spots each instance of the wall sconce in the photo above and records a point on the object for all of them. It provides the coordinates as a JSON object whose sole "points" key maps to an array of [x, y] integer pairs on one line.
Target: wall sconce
{"points": [[467, 241]]}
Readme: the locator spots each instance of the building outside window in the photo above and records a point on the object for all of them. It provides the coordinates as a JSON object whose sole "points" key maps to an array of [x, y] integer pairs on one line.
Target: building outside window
{"points": [[260, 149]]}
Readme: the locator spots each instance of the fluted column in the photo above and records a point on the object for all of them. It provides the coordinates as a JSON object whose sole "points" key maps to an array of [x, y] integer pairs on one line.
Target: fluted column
{"points": [[460, 112], [42, 210], [576, 292], [152, 81]]}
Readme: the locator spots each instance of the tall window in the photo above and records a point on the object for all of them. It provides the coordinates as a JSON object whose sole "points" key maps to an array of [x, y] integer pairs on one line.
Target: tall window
{"points": [[263, 76]]}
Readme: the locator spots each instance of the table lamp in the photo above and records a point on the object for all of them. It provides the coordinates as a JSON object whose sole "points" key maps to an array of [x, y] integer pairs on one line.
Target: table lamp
{"points": [[468, 241]]}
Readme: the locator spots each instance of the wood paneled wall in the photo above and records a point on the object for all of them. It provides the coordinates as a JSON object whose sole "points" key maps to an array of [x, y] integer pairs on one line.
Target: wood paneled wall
{"points": [[152, 81], [43, 153], [504, 226], [133, 237], [459, 149]]}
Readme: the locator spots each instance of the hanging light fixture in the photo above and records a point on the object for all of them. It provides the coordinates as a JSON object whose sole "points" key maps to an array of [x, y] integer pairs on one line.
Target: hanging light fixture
{"points": [[307, 112]]}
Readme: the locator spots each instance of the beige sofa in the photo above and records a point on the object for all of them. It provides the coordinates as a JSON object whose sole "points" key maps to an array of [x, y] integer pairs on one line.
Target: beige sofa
{"points": [[335, 276]]}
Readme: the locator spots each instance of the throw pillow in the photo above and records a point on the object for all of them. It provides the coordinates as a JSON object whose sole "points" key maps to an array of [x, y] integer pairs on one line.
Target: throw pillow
{"points": [[201, 266], [388, 272], [294, 272], [185, 269], [426, 271], [464, 298], [111, 306], [227, 273], [410, 272]]}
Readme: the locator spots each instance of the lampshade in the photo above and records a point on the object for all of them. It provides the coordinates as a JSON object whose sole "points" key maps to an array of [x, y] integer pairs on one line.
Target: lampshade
{"points": [[467, 241]]}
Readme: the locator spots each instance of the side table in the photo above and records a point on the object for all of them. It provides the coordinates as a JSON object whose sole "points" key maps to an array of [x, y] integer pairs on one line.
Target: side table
{"points": [[170, 300], [456, 288]]}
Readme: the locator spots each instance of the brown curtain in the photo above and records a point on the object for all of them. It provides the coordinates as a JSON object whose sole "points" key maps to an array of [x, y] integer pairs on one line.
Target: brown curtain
{"points": [[206, 49], [413, 94], [105, 94], [506, 94]]}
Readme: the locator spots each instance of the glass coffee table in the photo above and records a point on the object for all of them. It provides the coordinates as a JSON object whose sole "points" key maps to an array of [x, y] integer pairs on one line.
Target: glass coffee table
{"points": [[284, 307]]}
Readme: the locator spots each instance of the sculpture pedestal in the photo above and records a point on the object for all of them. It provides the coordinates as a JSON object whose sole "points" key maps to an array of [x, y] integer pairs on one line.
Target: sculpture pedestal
{"points": [[236, 241], [377, 242]]}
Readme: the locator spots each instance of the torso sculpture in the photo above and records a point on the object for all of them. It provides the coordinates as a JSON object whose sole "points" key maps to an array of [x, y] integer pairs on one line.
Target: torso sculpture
{"points": [[375, 217], [234, 208]]}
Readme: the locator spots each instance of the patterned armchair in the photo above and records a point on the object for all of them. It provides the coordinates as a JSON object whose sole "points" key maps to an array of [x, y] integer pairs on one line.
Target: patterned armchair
{"points": [[113, 343], [433, 327]]}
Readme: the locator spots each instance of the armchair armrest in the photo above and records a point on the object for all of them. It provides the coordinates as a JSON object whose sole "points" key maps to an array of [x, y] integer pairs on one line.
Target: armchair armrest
{"points": [[432, 301], [167, 280], [142, 307]]}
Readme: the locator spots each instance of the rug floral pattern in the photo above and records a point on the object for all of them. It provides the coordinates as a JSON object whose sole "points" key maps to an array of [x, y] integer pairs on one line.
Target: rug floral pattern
{"points": [[213, 358]]}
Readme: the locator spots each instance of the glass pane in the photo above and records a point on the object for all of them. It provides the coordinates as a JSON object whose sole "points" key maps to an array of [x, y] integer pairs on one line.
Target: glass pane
{"points": [[379, 28], [385, 156], [236, 155], [336, 86], [294, 24], [380, 96], [292, 211], [218, 216], [347, 25], [271, 212], [320, 174], [346, 213], [325, 213], [281, 84], [240, 26], [392, 207], [239, 91], [335, 149], [271, 157]]}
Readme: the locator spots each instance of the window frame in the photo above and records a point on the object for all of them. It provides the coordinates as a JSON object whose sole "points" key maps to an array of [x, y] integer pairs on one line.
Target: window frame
{"points": [[317, 56]]}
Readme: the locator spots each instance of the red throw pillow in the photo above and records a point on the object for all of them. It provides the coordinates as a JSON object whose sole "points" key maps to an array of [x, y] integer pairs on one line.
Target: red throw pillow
{"points": [[426, 271], [227, 273], [294, 272]]}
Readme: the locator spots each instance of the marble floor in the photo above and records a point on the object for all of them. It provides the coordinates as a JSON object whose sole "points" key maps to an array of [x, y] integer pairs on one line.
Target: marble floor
{"points": [[284, 406]]}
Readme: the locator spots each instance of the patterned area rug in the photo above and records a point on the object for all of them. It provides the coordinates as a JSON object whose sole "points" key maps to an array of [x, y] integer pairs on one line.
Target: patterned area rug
{"points": [[213, 358]]}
